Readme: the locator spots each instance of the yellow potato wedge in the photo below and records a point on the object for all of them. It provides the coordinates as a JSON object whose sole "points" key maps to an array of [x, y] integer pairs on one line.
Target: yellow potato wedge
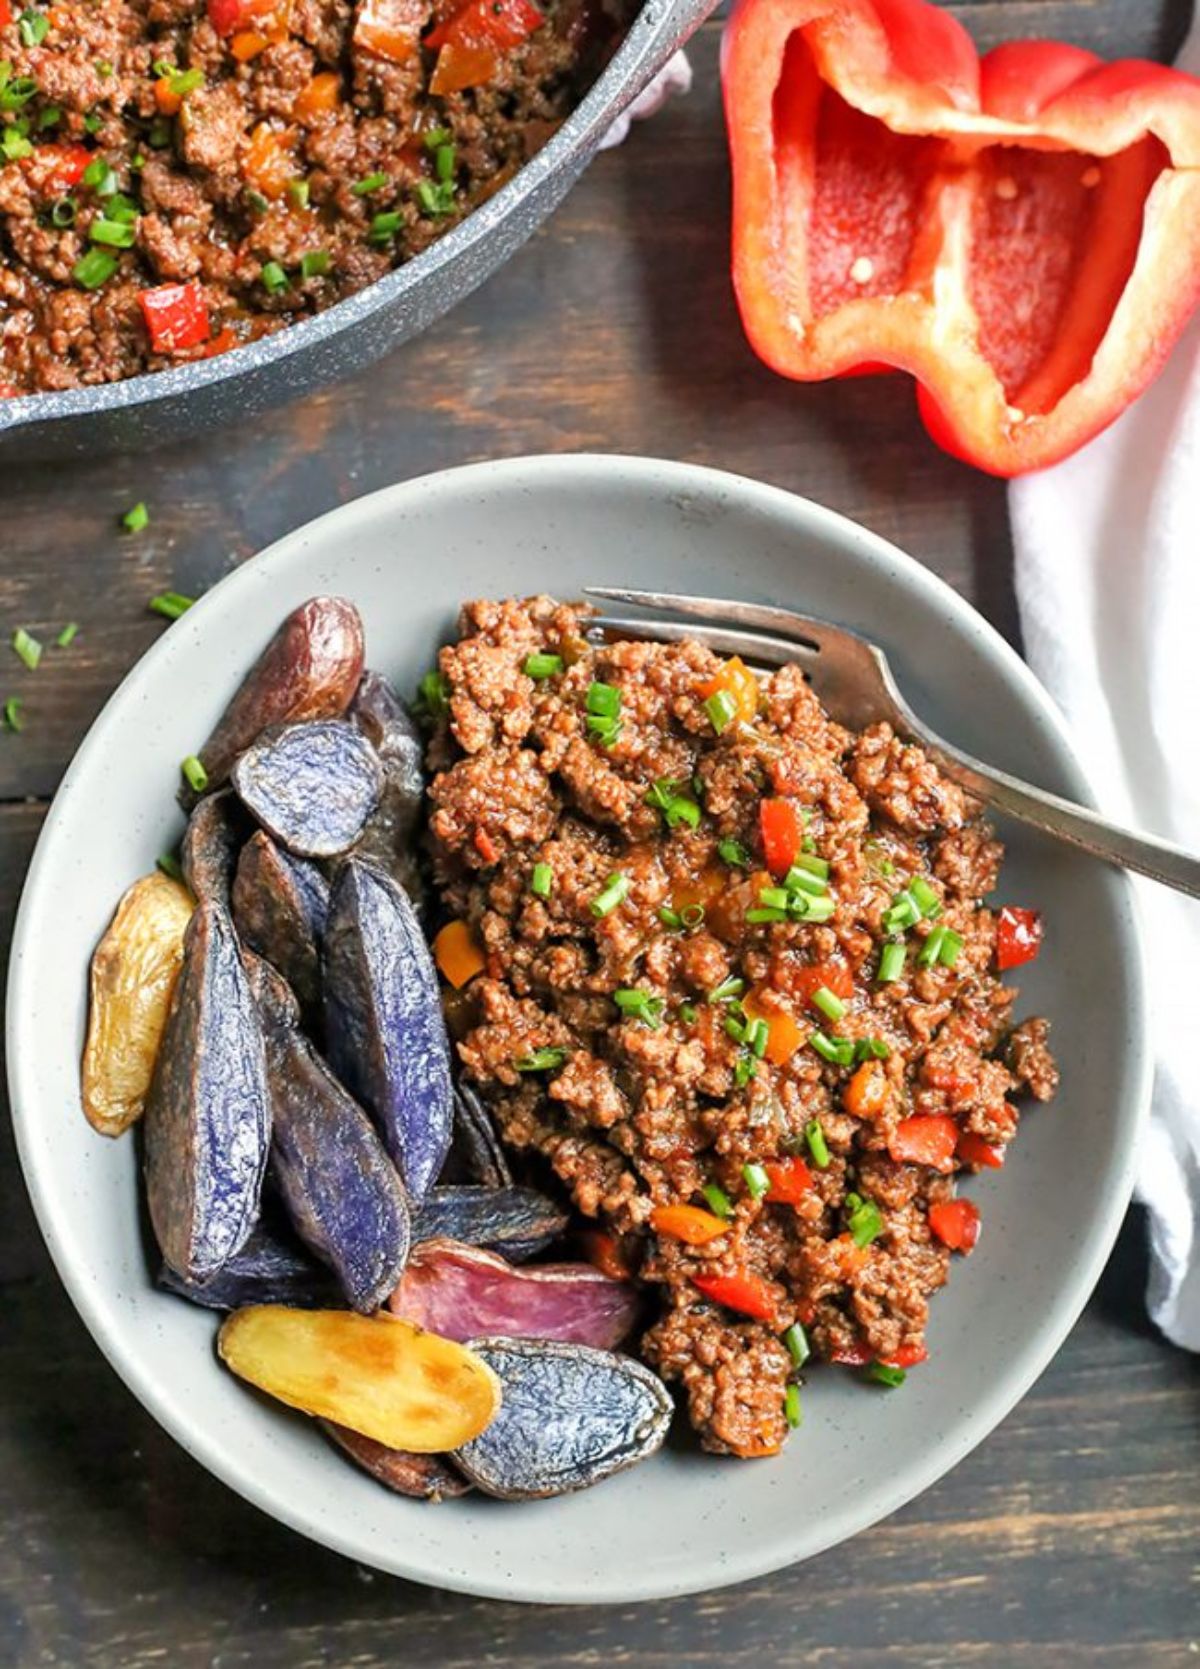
{"points": [[378, 1375], [133, 975]]}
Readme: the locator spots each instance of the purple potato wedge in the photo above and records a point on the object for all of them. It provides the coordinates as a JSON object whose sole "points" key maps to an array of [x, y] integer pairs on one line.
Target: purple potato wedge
{"points": [[311, 786], [280, 903], [309, 670], [337, 1183], [569, 1416], [216, 829], [464, 1292], [475, 1151], [267, 1270], [423, 1477], [383, 1021], [517, 1222], [207, 1120], [387, 840]]}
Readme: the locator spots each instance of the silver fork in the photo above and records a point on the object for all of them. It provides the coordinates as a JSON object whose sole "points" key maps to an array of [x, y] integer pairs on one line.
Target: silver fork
{"points": [[855, 683]]}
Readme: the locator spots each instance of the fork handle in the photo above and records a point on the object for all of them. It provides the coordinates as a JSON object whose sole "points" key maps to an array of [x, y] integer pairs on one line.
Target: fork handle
{"points": [[1062, 819]]}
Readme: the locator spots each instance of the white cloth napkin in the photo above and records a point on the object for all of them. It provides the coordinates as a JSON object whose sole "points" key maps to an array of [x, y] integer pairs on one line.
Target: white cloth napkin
{"points": [[1108, 584]]}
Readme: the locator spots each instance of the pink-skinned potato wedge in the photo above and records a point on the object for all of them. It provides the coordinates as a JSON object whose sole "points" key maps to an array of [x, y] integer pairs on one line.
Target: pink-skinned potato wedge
{"points": [[376, 1375]]}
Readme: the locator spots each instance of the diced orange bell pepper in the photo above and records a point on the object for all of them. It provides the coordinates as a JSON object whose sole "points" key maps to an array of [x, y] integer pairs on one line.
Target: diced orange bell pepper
{"points": [[459, 67], [955, 1223], [735, 679], [866, 1094], [782, 831], [745, 1292], [790, 1179], [247, 45], [603, 1252], [320, 98], [269, 163], [390, 29], [973, 1150], [167, 101], [687, 1223], [925, 1139], [458, 954], [784, 1033]]}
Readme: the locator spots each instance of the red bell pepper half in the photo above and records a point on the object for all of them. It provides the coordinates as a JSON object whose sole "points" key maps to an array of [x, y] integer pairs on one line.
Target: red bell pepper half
{"points": [[1019, 232]]}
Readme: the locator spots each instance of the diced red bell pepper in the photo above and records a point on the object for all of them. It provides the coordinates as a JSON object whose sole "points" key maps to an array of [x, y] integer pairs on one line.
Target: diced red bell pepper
{"points": [[485, 845], [834, 976], [855, 1355], [67, 163], [973, 1150], [781, 829], [176, 316], [908, 1356], [745, 1292], [955, 1223], [228, 16], [925, 1139], [1019, 232], [790, 1179], [6, 15], [1018, 936], [458, 67], [498, 24]]}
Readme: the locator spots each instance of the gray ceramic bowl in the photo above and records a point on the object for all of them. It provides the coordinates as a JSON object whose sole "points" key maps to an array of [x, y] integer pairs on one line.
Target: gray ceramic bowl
{"points": [[682, 1522]]}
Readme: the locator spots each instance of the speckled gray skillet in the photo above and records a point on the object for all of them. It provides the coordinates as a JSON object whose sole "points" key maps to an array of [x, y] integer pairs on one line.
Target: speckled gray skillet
{"points": [[148, 410], [683, 1521]]}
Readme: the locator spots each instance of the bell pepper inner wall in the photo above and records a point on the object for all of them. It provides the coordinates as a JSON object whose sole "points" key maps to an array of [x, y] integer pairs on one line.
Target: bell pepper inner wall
{"points": [[1030, 249]]}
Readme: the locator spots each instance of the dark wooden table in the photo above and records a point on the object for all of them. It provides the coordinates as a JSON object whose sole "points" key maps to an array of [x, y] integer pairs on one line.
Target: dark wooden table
{"points": [[1071, 1536]]}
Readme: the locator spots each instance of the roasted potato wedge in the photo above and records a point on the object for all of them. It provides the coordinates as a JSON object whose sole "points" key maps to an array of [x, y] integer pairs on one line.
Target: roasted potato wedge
{"points": [[134, 970], [379, 1376]]}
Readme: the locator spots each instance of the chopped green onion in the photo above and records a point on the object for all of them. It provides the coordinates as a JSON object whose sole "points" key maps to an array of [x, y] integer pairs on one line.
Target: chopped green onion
{"points": [[676, 808], [746, 1068], [12, 713], [273, 277], [671, 919], [183, 82], [756, 916], [811, 866], [792, 1412], [298, 191], [735, 1025], [63, 212], [117, 234], [838, 1051], [170, 865], [315, 263], [94, 269], [92, 122], [891, 963], [542, 1060], [369, 183], [733, 853], [433, 693], [162, 67], [443, 163], [796, 1340], [871, 1049], [542, 666], [257, 202], [49, 116], [27, 647], [15, 94], [931, 949], [864, 1220], [14, 145], [194, 774], [614, 891], [831, 1005], [818, 1147], [605, 730], [688, 1013], [33, 27], [133, 521], [68, 635], [928, 902], [758, 1183], [435, 199], [137, 162], [885, 1375], [802, 907], [604, 699], [170, 604], [437, 136], [640, 1005], [718, 1201], [692, 915], [758, 1035], [99, 177], [103, 68], [541, 884], [727, 989], [800, 880], [951, 945], [385, 226], [721, 709], [905, 912], [773, 898]]}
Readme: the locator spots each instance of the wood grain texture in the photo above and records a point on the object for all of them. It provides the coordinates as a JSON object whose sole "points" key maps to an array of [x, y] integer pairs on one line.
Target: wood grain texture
{"points": [[1070, 1538]]}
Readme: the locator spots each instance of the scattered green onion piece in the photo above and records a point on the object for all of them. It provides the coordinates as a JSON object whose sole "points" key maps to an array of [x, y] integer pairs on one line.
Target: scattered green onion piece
{"points": [[14, 145], [792, 1412], [905, 912], [640, 1005], [103, 68], [928, 902], [68, 635], [15, 94], [315, 263], [754, 917], [801, 907], [676, 808], [718, 1201], [818, 1147], [161, 68], [773, 898], [63, 212], [871, 1049], [831, 1005], [94, 269], [542, 666], [170, 865], [273, 277], [746, 1068], [727, 989], [721, 709], [433, 693], [542, 1060], [811, 866], [435, 199], [92, 122], [893, 1378], [99, 177], [604, 699], [733, 853], [33, 27], [133, 521], [369, 183], [838, 1051], [443, 163], [614, 891], [257, 202], [758, 1183], [115, 234], [49, 116], [170, 604], [604, 729], [12, 713], [800, 880], [758, 1035], [688, 1013], [796, 1340], [865, 1220], [385, 226], [951, 945], [671, 919], [299, 191], [931, 949], [692, 915], [194, 774], [27, 647], [891, 964], [183, 82], [541, 884], [437, 136]]}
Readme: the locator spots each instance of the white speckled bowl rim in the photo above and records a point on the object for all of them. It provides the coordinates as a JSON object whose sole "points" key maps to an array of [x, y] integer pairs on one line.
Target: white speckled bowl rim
{"points": [[683, 1522]]}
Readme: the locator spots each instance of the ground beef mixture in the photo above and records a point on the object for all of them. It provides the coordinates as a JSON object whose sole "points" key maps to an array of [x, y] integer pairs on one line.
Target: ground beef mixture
{"points": [[178, 177], [672, 1015]]}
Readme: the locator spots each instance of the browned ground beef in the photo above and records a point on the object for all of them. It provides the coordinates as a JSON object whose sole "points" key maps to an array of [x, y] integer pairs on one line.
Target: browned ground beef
{"points": [[638, 1116], [219, 186]]}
